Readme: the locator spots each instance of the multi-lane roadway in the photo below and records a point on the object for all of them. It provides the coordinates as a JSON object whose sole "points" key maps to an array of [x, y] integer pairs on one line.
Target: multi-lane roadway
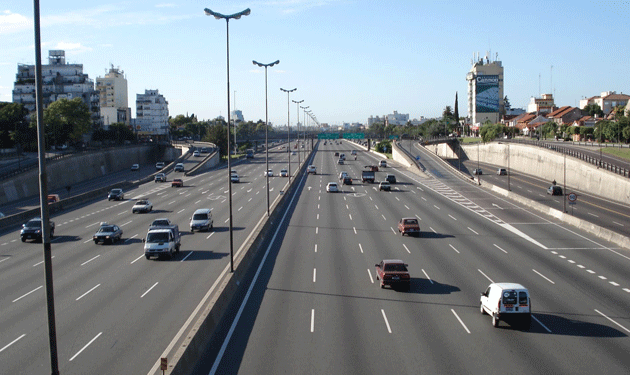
{"points": [[315, 306], [117, 312]]}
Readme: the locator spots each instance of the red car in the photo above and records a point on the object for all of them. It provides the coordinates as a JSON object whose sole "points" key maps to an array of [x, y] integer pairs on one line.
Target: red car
{"points": [[393, 272], [177, 182], [409, 226]]}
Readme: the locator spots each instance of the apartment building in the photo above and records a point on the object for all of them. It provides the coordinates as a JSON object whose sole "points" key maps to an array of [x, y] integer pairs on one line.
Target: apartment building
{"points": [[113, 102]]}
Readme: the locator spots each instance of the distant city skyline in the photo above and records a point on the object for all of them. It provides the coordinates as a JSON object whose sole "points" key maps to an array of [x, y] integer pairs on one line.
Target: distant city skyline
{"points": [[348, 59]]}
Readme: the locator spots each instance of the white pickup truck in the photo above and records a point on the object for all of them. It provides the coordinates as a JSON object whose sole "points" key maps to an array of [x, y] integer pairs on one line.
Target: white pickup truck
{"points": [[162, 241]]}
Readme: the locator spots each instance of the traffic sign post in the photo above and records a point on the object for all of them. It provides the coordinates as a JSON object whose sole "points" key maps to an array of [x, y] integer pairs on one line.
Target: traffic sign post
{"points": [[353, 136], [163, 365], [328, 136], [572, 198]]}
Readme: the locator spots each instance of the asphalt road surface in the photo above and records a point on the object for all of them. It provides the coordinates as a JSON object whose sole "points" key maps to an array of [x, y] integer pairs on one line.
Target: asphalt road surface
{"points": [[316, 307], [116, 312]]}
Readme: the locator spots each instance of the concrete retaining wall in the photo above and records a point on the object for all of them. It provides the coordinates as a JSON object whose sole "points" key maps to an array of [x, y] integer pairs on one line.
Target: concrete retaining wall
{"points": [[549, 166], [72, 170]]}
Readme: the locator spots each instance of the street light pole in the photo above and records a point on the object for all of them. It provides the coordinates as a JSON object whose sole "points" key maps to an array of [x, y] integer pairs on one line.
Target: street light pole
{"points": [[305, 128], [288, 129], [229, 171], [297, 103], [266, 127]]}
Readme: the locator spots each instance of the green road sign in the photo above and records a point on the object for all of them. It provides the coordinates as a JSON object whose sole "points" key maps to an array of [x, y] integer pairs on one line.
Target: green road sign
{"points": [[393, 137], [328, 136], [354, 136]]}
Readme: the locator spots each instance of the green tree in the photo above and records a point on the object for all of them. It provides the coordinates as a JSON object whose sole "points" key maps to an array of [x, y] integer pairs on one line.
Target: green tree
{"points": [[549, 129], [593, 110], [66, 120], [13, 125], [447, 113], [506, 103], [491, 131], [217, 134]]}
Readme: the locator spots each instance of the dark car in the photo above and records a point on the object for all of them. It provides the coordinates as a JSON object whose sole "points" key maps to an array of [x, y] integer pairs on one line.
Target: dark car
{"points": [[554, 190], [477, 171], [107, 233], [391, 178], [116, 194], [347, 180], [336, 154], [32, 230]]}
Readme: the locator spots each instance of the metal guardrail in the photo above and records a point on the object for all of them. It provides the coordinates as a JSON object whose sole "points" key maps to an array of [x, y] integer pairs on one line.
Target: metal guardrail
{"points": [[576, 154]]}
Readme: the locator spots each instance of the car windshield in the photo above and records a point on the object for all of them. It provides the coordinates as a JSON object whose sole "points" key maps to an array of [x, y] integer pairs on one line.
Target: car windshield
{"points": [[141, 203], [157, 237], [34, 224], [200, 217], [396, 267], [116, 191], [106, 229]]}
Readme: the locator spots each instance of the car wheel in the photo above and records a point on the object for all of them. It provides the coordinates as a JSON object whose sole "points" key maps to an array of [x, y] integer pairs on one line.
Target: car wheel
{"points": [[23, 239], [495, 320], [177, 248], [382, 286], [147, 256], [481, 309]]}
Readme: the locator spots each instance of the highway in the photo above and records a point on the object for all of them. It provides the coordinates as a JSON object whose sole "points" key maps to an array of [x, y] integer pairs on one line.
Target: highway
{"points": [[316, 308], [600, 211], [117, 312]]}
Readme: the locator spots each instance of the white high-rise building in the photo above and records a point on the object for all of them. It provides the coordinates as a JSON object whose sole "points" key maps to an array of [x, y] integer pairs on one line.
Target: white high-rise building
{"points": [[114, 106], [151, 113], [485, 91], [59, 80]]}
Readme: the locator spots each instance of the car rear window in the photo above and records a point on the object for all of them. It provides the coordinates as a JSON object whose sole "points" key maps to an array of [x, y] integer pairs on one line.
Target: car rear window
{"points": [[395, 267], [412, 221], [522, 298], [509, 297]]}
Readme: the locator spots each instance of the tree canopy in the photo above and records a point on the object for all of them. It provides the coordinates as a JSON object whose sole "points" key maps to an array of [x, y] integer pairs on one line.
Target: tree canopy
{"points": [[66, 121]]}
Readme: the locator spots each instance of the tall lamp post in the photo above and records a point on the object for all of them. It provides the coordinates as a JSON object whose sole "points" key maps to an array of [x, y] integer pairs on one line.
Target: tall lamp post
{"points": [[227, 19], [297, 103], [266, 126], [288, 129], [304, 125]]}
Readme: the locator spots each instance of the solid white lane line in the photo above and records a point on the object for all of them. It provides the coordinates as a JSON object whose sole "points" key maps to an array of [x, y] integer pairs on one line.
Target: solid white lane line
{"points": [[180, 211], [86, 241], [12, 342], [171, 202], [34, 265], [96, 223], [86, 345], [315, 247], [355, 230], [8, 258], [580, 266], [486, 276], [460, 321], [541, 275], [148, 290], [407, 207], [122, 225], [186, 257], [571, 261], [495, 245], [32, 291], [347, 207], [436, 207], [226, 220], [626, 290], [398, 199], [370, 274], [84, 294], [312, 320], [88, 261], [423, 198], [452, 247], [433, 230], [318, 206], [314, 274], [138, 258], [393, 231], [613, 283], [316, 230], [317, 216], [602, 277], [376, 206], [473, 231], [419, 188], [129, 239], [361, 248], [418, 217], [451, 216], [240, 208], [618, 223], [386, 322], [425, 274], [590, 271], [592, 214], [198, 201], [384, 218], [619, 325], [542, 325], [405, 246]]}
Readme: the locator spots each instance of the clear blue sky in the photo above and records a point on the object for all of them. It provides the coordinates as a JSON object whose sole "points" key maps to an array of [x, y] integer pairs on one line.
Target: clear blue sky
{"points": [[349, 59]]}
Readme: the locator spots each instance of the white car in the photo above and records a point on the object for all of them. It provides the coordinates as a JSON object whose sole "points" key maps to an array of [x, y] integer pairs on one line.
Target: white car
{"points": [[332, 187], [382, 163], [179, 167], [159, 165], [268, 172], [311, 169], [284, 173], [196, 153], [293, 153], [234, 177], [135, 167], [507, 301], [143, 205]]}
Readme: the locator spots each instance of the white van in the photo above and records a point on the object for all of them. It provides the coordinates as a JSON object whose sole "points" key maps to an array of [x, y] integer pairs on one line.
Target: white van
{"points": [[507, 301], [201, 220]]}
